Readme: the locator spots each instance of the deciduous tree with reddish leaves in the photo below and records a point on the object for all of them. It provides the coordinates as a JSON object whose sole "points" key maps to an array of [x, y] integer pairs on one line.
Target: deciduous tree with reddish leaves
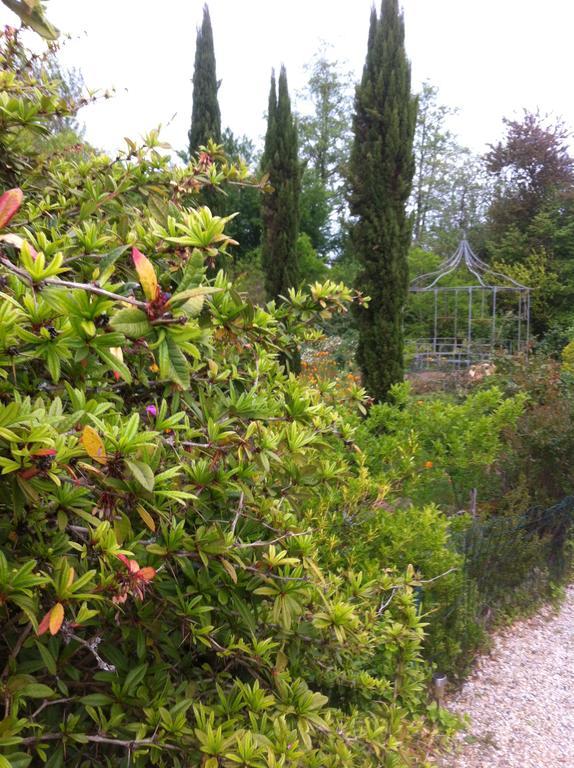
{"points": [[532, 167]]}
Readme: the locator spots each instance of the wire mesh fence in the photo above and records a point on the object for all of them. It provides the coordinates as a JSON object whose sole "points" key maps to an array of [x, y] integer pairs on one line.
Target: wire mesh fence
{"points": [[511, 564]]}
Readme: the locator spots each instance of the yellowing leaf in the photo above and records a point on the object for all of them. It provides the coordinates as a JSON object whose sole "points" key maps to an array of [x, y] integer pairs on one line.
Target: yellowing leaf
{"points": [[18, 242], [146, 274], [146, 517], [119, 356], [56, 618], [230, 570], [281, 662], [90, 468], [117, 353], [94, 445]]}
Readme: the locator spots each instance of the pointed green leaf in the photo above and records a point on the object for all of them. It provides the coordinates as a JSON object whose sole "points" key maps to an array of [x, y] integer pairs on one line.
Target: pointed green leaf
{"points": [[180, 371], [115, 364], [142, 473], [133, 323]]}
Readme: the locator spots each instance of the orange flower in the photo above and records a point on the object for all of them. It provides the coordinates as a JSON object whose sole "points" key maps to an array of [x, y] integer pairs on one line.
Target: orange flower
{"points": [[428, 465]]}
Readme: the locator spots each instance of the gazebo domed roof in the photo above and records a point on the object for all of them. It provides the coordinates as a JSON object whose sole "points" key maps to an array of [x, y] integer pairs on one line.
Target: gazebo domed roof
{"points": [[465, 258]]}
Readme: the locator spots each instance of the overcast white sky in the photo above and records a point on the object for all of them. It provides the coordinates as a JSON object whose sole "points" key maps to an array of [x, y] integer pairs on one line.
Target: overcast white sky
{"points": [[489, 58]]}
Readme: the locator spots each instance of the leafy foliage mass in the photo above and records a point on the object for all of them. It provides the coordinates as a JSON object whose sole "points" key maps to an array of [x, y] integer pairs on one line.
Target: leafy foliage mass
{"points": [[205, 560], [163, 596]]}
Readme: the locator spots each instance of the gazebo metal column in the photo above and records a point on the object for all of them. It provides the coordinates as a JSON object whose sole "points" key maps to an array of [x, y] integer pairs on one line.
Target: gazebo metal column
{"points": [[493, 331], [469, 332], [435, 320]]}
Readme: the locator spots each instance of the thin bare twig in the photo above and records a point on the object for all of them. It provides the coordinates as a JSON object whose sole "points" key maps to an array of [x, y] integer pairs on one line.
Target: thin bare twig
{"points": [[278, 540], [91, 646], [49, 703], [16, 270], [435, 578], [270, 575], [383, 607], [189, 444], [90, 287], [97, 739]]}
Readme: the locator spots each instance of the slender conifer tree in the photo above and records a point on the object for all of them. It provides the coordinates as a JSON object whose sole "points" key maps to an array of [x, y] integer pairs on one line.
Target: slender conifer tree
{"points": [[205, 115], [280, 212], [381, 173]]}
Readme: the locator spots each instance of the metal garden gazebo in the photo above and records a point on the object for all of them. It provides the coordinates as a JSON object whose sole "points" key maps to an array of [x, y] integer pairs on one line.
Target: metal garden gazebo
{"points": [[465, 312]]}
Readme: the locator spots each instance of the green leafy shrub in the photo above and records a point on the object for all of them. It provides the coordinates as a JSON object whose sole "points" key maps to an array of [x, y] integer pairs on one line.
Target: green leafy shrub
{"points": [[362, 529], [163, 598], [439, 449], [537, 462]]}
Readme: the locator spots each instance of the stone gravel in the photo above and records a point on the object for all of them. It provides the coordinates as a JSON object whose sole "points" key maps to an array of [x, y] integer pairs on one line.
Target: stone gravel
{"points": [[520, 697]]}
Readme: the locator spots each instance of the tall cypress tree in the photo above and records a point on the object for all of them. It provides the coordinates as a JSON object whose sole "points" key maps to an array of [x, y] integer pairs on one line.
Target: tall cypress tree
{"points": [[280, 208], [205, 114], [381, 173]]}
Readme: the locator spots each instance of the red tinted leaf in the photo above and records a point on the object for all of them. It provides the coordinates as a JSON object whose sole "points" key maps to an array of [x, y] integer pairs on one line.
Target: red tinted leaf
{"points": [[10, 202], [28, 474], [52, 620], [19, 243], [146, 274], [56, 618], [45, 623], [131, 565]]}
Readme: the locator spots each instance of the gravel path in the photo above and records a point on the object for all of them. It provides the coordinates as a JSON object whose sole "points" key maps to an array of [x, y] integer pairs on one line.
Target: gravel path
{"points": [[520, 698]]}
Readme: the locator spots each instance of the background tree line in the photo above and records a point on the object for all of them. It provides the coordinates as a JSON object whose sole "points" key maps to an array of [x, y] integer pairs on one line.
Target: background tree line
{"points": [[514, 202]]}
